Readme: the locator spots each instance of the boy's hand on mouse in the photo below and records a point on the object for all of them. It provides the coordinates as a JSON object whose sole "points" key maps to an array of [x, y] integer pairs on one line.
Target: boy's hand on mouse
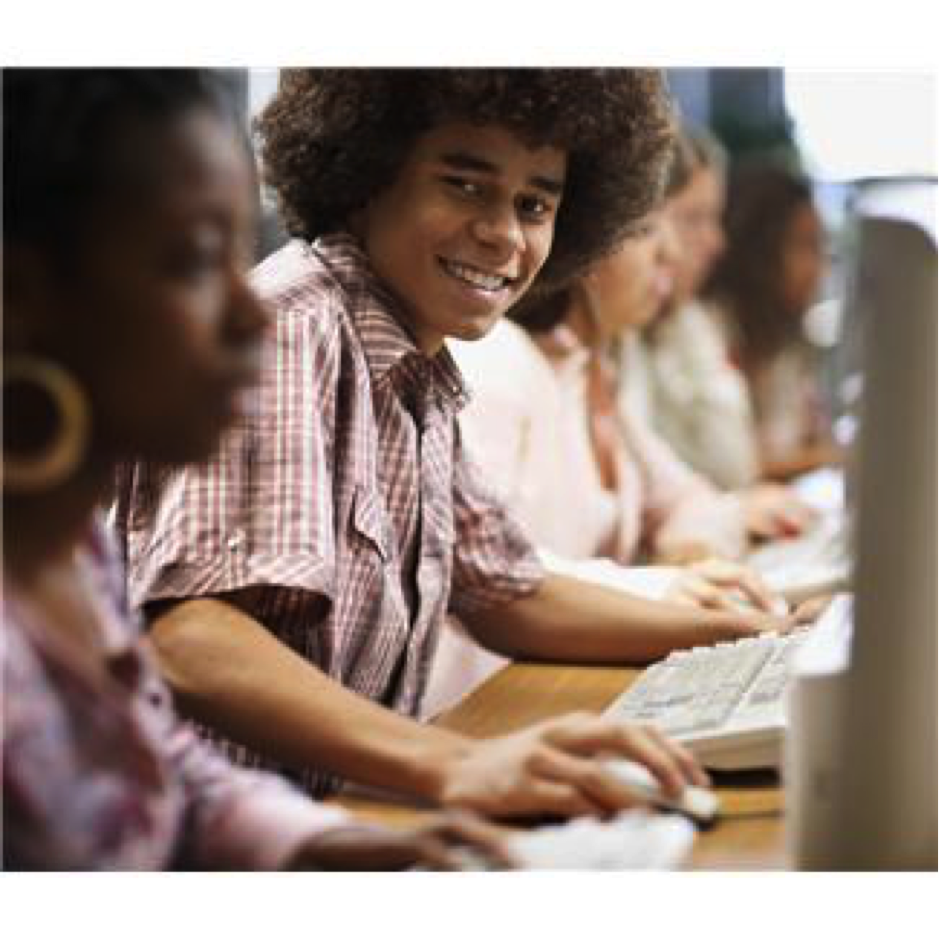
{"points": [[553, 768]]}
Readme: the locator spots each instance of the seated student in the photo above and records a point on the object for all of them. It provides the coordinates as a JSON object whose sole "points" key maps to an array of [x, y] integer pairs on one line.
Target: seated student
{"points": [[586, 477], [297, 581], [129, 328], [761, 288], [695, 397], [545, 394], [679, 370]]}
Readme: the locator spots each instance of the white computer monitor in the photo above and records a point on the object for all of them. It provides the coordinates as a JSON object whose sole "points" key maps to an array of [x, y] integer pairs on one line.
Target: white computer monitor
{"points": [[872, 805]]}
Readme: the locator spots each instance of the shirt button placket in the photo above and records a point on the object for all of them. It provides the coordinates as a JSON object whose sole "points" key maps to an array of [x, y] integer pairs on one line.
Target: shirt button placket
{"points": [[235, 556]]}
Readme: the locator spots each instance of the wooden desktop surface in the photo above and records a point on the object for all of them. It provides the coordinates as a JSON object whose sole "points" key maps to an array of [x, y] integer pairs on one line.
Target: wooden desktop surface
{"points": [[749, 834]]}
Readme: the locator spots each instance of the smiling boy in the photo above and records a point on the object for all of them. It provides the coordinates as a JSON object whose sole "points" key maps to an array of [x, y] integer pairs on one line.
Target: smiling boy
{"points": [[464, 230], [297, 583]]}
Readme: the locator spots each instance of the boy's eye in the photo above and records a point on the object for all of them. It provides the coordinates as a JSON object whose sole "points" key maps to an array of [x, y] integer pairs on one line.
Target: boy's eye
{"points": [[465, 186], [534, 207]]}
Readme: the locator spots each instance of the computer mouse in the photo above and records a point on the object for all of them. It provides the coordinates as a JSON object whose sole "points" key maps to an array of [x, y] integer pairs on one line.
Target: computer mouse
{"points": [[699, 804]]}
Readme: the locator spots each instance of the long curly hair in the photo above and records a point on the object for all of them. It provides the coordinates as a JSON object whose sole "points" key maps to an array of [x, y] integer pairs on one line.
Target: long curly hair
{"points": [[331, 139], [762, 197]]}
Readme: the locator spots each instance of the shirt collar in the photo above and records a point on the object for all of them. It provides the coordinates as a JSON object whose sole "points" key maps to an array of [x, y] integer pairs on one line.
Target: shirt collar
{"points": [[376, 317]]}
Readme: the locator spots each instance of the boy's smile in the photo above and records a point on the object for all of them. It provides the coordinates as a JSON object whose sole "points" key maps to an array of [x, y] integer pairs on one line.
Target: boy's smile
{"points": [[462, 231], [474, 277]]}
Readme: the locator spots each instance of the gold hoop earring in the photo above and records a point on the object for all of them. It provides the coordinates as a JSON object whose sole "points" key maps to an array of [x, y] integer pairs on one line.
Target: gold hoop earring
{"points": [[54, 461]]}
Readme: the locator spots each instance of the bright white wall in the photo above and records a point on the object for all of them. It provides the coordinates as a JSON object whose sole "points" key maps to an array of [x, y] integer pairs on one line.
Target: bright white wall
{"points": [[853, 124]]}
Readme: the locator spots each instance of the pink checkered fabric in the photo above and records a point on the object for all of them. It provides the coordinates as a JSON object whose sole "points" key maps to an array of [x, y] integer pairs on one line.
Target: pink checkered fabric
{"points": [[98, 772], [345, 494]]}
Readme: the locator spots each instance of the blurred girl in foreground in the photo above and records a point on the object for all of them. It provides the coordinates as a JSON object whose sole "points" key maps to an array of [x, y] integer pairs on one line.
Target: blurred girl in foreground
{"points": [[129, 331]]}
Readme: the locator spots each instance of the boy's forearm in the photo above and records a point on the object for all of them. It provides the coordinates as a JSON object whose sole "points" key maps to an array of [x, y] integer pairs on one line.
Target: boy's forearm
{"points": [[569, 620], [229, 672]]}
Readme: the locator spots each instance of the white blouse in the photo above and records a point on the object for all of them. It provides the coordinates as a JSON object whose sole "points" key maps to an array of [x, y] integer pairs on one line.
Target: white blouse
{"points": [[527, 425]]}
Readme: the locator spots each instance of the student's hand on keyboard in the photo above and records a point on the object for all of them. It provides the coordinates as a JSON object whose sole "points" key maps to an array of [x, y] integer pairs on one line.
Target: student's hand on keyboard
{"points": [[809, 611], [774, 511], [731, 626], [716, 584], [553, 768], [439, 845]]}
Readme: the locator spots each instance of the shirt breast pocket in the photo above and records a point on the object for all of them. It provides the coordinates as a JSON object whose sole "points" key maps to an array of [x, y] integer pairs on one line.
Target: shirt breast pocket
{"points": [[369, 521]]}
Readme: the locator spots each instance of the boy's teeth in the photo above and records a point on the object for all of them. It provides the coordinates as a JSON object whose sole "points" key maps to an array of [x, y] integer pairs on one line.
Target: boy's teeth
{"points": [[474, 277]]}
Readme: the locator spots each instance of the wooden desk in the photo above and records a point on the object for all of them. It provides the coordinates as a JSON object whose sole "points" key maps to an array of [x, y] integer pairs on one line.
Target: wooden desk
{"points": [[750, 832]]}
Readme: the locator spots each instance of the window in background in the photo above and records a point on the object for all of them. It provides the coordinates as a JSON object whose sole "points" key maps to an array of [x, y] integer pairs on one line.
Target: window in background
{"points": [[859, 125]]}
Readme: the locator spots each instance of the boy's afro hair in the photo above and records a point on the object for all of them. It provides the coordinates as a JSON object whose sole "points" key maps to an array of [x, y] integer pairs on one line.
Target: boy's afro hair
{"points": [[333, 138]]}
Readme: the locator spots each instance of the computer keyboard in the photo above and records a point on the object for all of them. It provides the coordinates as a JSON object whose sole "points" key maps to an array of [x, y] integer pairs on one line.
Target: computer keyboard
{"points": [[724, 702], [632, 840], [814, 563]]}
